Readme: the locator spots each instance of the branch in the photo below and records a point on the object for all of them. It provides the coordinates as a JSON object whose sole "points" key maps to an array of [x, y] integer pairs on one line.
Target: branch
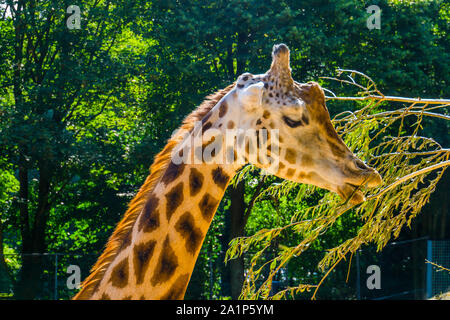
{"points": [[410, 154], [437, 266], [410, 176], [392, 98], [406, 112], [353, 82]]}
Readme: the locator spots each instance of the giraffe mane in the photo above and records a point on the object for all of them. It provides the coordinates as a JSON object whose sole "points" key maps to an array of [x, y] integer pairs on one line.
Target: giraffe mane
{"points": [[124, 227]]}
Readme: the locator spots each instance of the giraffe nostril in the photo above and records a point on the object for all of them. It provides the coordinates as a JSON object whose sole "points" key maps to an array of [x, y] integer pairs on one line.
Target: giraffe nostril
{"points": [[360, 164]]}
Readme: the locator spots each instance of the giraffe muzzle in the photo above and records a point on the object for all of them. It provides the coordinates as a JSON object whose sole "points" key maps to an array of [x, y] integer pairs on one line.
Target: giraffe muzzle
{"points": [[366, 177], [374, 179], [351, 193]]}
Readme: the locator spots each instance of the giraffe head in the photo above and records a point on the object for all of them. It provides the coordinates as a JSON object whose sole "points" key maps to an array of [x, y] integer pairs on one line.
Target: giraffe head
{"points": [[153, 250], [309, 149]]}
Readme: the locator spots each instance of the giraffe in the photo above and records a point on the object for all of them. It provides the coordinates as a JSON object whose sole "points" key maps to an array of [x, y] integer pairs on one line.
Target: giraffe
{"points": [[153, 250]]}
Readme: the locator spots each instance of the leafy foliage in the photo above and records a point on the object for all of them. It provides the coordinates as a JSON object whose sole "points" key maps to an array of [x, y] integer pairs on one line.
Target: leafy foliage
{"points": [[410, 164], [83, 112]]}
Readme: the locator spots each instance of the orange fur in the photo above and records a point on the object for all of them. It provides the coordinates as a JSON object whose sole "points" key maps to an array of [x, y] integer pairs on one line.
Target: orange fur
{"points": [[136, 205]]}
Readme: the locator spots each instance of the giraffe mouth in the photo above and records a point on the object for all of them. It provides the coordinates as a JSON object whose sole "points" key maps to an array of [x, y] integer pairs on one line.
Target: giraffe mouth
{"points": [[351, 193]]}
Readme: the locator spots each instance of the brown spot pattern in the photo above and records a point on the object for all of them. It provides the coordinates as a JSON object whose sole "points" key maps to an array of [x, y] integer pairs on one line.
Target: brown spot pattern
{"points": [[126, 239], [149, 219], [307, 161], [304, 175], [173, 199], [223, 109], [195, 181], [337, 150], [119, 275], [331, 132], [105, 297], [206, 126], [220, 177], [167, 264], [207, 206], [178, 288], [213, 150], [141, 259], [173, 171], [290, 172], [291, 156], [192, 235]]}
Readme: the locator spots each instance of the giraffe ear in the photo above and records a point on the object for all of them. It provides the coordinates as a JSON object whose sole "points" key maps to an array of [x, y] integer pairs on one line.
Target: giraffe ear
{"points": [[251, 96]]}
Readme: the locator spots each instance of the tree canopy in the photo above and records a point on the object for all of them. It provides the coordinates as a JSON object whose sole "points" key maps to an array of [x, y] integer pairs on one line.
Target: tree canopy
{"points": [[84, 110]]}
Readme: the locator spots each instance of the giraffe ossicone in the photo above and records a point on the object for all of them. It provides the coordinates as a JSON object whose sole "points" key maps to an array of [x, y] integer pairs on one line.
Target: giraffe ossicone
{"points": [[269, 120]]}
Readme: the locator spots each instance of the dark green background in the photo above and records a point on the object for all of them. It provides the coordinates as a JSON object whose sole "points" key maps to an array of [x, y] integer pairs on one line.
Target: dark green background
{"points": [[83, 112]]}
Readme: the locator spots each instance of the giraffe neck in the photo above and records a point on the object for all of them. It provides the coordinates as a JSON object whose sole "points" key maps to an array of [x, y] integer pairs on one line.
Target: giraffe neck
{"points": [[153, 258], [165, 241]]}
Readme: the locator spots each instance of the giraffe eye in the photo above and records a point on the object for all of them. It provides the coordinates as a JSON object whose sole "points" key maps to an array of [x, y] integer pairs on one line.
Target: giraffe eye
{"points": [[292, 123]]}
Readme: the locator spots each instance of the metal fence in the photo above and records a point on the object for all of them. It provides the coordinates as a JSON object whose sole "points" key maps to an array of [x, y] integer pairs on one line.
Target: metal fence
{"points": [[60, 275], [438, 274], [399, 271]]}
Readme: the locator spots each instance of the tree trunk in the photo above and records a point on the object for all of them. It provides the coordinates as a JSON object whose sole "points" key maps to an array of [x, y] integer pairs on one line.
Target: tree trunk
{"points": [[29, 282], [237, 225], [444, 194], [241, 52], [3, 265]]}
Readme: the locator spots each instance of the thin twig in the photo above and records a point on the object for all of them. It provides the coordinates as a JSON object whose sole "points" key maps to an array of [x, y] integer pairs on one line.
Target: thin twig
{"points": [[392, 98], [410, 176], [437, 266]]}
